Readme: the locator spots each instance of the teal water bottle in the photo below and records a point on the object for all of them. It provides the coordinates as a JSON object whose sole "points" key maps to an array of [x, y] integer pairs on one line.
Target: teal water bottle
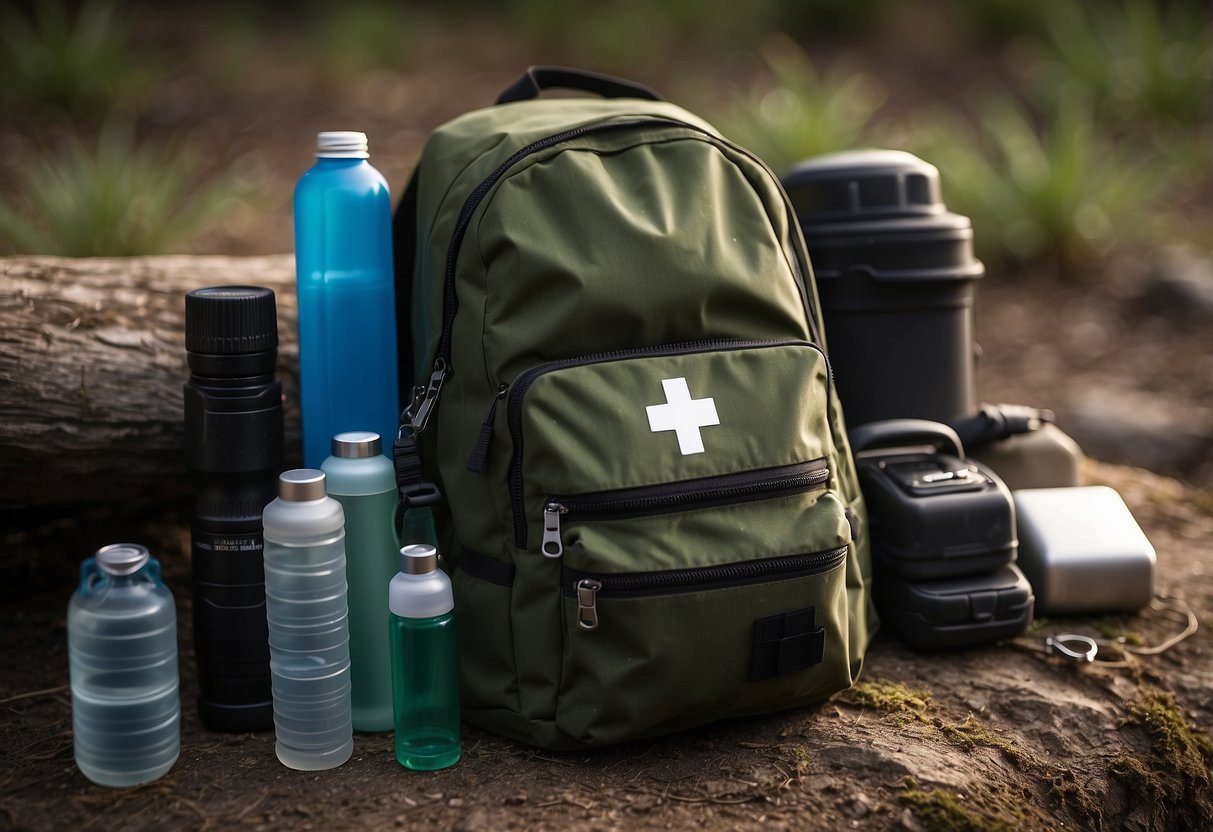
{"points": [[363, 480], [347, 301], [425, 662], [122, 657]]}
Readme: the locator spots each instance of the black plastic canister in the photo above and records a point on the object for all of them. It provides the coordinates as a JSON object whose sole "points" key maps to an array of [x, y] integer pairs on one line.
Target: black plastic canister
{"points": [[895, 273]]}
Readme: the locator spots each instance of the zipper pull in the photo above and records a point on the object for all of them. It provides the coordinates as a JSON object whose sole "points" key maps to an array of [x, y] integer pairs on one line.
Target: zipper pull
{"points": [[480, 451], [587, 603], [551, 546], [423, 403]]}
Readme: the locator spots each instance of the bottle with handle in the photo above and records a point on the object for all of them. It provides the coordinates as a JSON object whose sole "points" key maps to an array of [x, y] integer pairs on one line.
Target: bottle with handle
{"points": [[305, 600], [347, 314], [363, 480], [425, 662], [122, 661]]}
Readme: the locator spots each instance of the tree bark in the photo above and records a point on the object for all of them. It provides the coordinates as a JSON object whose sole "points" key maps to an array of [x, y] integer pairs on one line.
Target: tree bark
{"points": [[92, 363]]}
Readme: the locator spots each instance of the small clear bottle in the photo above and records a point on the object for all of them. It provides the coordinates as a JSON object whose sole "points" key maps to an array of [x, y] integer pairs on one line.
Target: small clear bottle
{"points": [[305, 596], [122, 658], [363, 480], [425, 662]]}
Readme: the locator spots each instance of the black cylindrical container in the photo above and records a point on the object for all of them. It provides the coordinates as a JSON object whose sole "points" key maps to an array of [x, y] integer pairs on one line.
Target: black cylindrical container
{"points": [[233, 448], [895, 272]]}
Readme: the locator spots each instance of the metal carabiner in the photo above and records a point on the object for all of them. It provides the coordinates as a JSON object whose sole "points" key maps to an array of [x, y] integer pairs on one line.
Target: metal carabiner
{"points": [[1057, 644]]}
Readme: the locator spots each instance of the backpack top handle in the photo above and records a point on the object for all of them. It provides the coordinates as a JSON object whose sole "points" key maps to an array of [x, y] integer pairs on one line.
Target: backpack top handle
{"points": [[539, 78]]}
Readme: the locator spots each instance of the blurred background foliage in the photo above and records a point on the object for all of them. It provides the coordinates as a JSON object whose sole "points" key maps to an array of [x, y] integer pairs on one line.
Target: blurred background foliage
{"points": [[1069, 132]]}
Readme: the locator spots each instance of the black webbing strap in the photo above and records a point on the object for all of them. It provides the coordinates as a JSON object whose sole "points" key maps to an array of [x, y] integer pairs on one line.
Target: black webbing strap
{"points": [[1000, 421], [539, 78], [785, 643], [491, 570], [415, 490]]}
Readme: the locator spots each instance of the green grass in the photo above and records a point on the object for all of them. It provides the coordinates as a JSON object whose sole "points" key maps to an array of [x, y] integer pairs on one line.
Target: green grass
{"points": [[360, 36], [83, 64], [796, 112], [114, 199], [1142, 61], [1057, 189]]}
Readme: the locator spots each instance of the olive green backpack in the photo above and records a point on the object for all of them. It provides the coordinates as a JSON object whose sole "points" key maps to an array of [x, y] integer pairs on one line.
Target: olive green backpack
{"points": [[649, 506]]}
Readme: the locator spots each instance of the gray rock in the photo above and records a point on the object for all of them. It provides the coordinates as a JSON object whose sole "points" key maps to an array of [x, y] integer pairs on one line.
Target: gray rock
{"points": [[1180, 287], [1147, 430]]}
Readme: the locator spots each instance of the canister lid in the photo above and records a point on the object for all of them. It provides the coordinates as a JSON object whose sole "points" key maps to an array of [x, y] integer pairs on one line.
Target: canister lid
{"points": [[862, 184], [230, 320], [418, 559], [122, 558], [357, 444], [301, 485], [341, 144]]}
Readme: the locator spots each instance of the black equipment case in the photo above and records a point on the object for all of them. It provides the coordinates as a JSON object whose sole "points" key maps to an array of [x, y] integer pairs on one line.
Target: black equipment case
{"points": [[934, 513], [955, 612]]}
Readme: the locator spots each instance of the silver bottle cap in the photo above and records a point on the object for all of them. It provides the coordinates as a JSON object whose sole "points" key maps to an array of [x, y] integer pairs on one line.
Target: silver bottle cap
{"points": [[301, 485], [357, 444], [341, 144], [418, 559], [122, 558]]}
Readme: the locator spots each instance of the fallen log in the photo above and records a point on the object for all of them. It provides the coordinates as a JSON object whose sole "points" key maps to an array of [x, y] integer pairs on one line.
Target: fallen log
{"points": [[92, 363]]}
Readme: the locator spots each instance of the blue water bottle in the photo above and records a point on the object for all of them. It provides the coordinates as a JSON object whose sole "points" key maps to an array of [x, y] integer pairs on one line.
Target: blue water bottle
{"points": [[347, 306]]}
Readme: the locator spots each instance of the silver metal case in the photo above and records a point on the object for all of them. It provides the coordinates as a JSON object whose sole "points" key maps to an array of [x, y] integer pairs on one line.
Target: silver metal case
{"points": [[1082, 551]]}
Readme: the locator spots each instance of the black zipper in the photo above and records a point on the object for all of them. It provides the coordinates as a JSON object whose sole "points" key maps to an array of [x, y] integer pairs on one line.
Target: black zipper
{"points": [[587, 587], [705, 492], [426, 396], [524, 381]]}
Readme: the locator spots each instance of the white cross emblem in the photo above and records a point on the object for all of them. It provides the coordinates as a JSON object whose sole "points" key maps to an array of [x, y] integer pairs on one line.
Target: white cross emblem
{"points": [[683, 415]]}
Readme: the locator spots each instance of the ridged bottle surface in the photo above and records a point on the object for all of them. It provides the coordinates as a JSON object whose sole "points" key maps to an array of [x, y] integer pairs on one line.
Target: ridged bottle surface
{"points": [[122, 656], [359, 477], [425, 662], [347, 312], [305, 593]]}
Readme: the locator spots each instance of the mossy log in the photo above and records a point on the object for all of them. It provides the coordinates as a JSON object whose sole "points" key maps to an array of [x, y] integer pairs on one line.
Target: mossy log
{"points": [[92, 363]]}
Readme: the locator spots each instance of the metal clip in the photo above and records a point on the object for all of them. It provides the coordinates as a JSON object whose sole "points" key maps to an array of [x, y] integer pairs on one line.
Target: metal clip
{"points": [[587, 603], [423, 403], [551, 546], [1057, 644]]}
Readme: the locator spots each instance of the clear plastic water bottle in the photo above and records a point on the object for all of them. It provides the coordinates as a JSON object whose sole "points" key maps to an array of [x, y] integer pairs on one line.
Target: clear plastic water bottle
{"points": [[305, 595], [347, 313], [425, 662], [122, 657], [364, 482]]}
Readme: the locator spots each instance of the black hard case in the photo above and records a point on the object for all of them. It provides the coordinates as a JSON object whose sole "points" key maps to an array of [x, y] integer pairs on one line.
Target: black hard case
{"points": [[933, 513], [955, 612]]}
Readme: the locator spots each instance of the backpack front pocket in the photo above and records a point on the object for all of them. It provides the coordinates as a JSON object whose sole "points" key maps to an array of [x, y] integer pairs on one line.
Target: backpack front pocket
{"points": [[642, 418], [658, 651]]}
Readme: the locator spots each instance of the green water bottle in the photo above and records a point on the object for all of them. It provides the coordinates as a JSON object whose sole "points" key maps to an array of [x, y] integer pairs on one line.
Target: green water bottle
{"points": [[360, 478], [425, 662]]}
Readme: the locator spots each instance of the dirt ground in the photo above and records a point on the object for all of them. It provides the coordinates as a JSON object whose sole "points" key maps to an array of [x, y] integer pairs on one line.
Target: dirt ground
{"points": [[999, 737]]}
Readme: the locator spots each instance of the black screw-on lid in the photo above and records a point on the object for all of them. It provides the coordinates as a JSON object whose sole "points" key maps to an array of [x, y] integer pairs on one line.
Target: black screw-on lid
{"points": [[864, 184], [230, 320]]}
